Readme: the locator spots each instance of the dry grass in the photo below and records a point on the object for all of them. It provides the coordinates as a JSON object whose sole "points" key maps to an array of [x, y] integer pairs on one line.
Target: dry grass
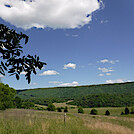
{"points": [[64, 105], [109, 127], [20, 121]]}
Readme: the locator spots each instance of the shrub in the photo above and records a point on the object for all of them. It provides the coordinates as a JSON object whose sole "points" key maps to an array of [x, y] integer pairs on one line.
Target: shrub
{"points": [[107, 113], [66, 109], [80, 110], [122, 113], [51, 107], [59, 109], [94, 112], [126, 110]]}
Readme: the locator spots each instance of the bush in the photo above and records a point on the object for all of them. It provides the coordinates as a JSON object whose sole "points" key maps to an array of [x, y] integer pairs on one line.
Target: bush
{"points": [[80, 110], [94, 112], [122, 113], [51, 107], [126, 110], [66, 109], [107, 113], [59, 109]]}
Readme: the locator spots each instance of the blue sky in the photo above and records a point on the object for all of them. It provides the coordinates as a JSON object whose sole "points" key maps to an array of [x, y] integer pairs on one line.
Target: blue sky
{"points": [[98, 51]]}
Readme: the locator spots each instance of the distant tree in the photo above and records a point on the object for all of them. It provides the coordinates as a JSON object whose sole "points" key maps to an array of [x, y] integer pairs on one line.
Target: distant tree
{"points": [[126, 110], [107, 113], [27, 105], [6, 96], [80, 110], [51, 107], [94, 112], [59, 109], [11, 56], [132, 110], [66, 109], [18, 102]]}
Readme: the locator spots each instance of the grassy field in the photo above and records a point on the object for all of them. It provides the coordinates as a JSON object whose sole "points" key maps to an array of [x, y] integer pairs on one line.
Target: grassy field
{"points": [[21, 121]]}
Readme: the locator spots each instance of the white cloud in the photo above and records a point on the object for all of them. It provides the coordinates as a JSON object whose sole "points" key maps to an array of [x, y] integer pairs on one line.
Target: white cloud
{"points": [[23, 73], [48, 13], [70, 65], [104, 61], [105, 70], [117, 81], [54, 82], [74, 83], [108, 61], [101, 75], [49, 72]]}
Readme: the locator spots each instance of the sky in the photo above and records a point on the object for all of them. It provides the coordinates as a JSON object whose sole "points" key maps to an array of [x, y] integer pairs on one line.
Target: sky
{"points": [[83, 42]]}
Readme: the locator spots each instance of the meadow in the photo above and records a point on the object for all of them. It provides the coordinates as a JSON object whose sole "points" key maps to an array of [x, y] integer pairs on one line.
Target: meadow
{"points": [[24, 121]]}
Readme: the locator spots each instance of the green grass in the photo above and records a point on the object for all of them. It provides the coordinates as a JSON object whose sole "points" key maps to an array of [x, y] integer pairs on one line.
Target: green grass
{"points": [[20, 121]]}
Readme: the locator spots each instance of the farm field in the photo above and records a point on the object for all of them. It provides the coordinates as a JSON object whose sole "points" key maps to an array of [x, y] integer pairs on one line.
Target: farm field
{"points": [[22, 121]]}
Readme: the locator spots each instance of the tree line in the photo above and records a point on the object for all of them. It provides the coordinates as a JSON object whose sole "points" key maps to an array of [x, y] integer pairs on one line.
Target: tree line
{"points": [[104, 100], [8, 99]]}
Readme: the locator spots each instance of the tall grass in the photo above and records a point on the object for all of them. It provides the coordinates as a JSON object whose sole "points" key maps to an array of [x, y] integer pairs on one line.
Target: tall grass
{"points": [[20, 121]]}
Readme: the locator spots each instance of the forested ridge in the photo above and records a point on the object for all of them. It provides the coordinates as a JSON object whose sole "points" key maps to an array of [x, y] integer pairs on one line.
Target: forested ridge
{"points": [[118, 94]]}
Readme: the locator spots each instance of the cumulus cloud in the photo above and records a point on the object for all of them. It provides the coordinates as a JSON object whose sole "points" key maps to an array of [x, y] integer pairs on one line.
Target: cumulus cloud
{"points": [[108, 61], [48, 13], [74, 83], [49, 72], [70, 65], [101, 75], [105, 70], [117, 81]]}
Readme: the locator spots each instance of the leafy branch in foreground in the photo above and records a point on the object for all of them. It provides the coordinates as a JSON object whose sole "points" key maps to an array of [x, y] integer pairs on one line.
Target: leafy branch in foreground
{"points": [[10, 54]]}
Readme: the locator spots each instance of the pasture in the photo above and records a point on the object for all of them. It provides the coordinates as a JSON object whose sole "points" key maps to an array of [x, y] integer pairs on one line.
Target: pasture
{"points": [[22, 121]]}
